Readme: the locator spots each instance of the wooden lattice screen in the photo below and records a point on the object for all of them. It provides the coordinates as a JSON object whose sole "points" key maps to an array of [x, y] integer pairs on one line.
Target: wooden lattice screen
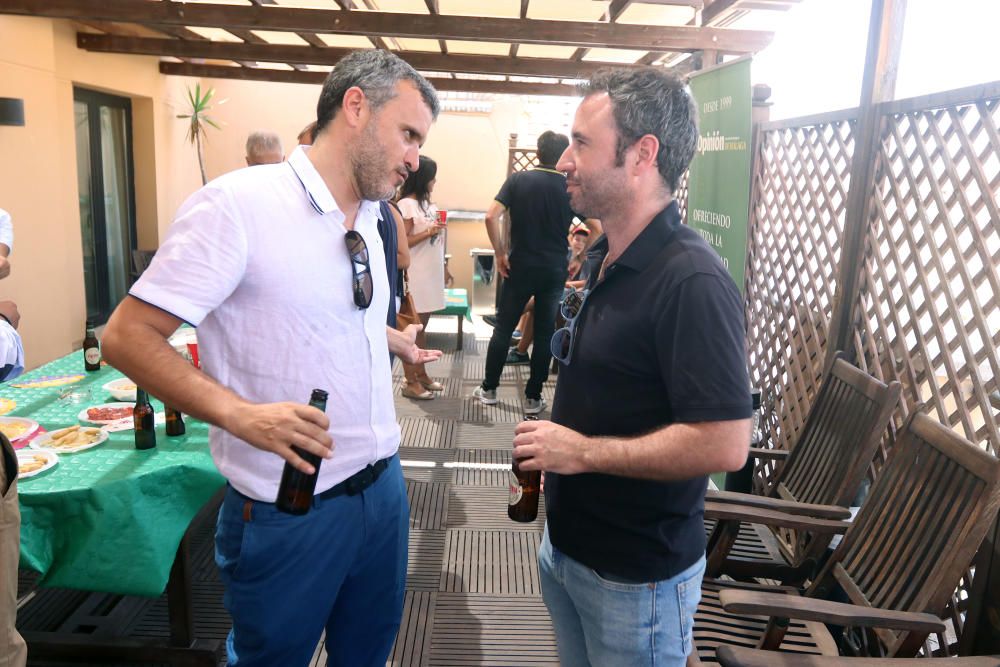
{"points": [[927, 312], [798, 200]]}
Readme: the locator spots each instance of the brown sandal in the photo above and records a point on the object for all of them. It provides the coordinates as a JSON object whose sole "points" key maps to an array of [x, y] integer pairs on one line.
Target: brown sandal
{"points": [[431, 385]]}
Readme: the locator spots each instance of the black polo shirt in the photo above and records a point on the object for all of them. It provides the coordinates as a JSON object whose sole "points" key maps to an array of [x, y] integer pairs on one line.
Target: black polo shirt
{"points": [[660, 340], [540, 216]]}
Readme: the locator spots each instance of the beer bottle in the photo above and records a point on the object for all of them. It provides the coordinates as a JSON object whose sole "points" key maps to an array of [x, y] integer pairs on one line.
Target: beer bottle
{"points": [[143, 418], [525, 487], [295, 494], [175, 422], [91, 350]]}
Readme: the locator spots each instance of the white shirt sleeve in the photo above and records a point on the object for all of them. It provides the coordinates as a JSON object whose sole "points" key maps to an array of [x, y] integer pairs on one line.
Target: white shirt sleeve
{"points": [[201, 261], [11, 352], [409, 208], [6, 230]]}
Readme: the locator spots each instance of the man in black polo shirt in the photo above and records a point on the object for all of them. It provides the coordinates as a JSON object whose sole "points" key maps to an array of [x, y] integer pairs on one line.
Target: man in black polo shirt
{"points": [[540, 216], [653, 395]]}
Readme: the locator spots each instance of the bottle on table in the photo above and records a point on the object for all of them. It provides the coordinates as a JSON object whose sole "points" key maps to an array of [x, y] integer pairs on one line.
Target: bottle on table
{"points": [[295, 494], [91, 350], [143, 419], [175, 421], [525, 488]]}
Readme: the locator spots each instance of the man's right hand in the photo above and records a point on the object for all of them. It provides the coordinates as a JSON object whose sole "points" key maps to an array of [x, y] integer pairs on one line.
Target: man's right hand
{"points": [[275, 427], [503, 264], [9, 310]]}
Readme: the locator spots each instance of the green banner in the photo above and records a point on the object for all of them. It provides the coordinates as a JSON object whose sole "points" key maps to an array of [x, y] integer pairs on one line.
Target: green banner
{"points": [[719, 179]]}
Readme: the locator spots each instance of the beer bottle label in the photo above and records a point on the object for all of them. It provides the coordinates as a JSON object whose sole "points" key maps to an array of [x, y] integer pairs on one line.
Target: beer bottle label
{"points": [[92, 355], [515, 489]]}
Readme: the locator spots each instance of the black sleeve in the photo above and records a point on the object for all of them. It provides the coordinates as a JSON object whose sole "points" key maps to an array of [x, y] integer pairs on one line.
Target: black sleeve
{"points": [[701, 349], [506, 194]]}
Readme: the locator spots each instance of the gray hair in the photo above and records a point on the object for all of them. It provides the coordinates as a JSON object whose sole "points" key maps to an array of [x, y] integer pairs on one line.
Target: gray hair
{"points": [[376, 73], [650, 100], [263, 141]]}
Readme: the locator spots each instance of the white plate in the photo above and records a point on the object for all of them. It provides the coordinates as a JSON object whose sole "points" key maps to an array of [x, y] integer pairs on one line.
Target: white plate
{"points": [[123, 389], [84, 418], [45, 442], [27, 454], [25, 426]]}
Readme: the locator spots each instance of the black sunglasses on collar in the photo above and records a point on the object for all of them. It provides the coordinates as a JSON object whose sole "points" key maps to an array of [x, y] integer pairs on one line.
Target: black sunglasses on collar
{"points": [[363, 285]]}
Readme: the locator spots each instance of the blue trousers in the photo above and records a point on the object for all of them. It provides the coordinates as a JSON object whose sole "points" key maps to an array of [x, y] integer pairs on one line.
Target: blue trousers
{"points": [[339, 568], [604, 622]]}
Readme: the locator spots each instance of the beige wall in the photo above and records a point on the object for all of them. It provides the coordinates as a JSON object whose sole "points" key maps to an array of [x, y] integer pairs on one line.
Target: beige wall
{"points": [[470, 149], [39, 62]]}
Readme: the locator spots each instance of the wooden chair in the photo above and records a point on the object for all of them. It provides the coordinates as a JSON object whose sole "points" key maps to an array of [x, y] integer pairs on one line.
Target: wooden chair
{"points": [[820, 476], [731, 656], [898, 563]]}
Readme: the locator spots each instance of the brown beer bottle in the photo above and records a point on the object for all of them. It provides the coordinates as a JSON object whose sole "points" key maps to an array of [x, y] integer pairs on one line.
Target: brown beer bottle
{"points": [[525, 487], [175, 422], [91, 350], [143, 419], [295, 494]]}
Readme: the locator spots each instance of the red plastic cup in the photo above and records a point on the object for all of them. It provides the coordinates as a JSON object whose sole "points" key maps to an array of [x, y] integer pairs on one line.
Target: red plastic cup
{"points": [[442, 217], [193, 351]]}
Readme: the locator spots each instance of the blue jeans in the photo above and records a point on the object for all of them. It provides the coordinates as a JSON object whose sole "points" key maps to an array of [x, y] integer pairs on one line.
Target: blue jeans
{"points": [[339, 568], [606, 623]]}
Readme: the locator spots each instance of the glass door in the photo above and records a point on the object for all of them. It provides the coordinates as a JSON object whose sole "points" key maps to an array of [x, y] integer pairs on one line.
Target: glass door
{"points": [[107, 197]]}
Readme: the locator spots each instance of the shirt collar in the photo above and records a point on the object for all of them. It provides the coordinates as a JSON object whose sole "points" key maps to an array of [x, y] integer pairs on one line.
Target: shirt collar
{"points": [[549, 170], [650, 241], [315, 188]]}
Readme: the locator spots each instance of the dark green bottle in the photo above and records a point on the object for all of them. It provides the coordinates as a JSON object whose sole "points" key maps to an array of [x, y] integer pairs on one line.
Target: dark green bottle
{"points": [[143, 418], [295, 495]]}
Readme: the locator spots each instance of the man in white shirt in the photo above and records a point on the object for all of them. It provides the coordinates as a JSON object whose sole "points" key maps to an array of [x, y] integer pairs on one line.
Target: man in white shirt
{"points": [[281, 268], [6, 242]]}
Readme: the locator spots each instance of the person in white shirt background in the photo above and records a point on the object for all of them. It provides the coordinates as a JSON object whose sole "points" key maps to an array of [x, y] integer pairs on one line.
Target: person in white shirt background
{"points": [[13, 652]]}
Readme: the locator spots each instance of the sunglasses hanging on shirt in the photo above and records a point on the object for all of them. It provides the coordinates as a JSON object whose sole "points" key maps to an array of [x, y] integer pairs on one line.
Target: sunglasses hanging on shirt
{"points": [[360, 268]]}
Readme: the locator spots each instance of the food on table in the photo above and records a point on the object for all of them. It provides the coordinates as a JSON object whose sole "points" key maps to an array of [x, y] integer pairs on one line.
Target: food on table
{"points": [[14, 430], [29, 463], [109, 414], [73, 437], [126, 386]]}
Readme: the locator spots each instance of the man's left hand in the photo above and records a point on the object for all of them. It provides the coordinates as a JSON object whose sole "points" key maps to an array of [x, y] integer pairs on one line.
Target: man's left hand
{"points": [[406, 347], [543, 445]]}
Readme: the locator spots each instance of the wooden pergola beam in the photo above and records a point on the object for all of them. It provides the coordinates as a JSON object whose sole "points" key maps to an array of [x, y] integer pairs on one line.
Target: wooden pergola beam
{"points": [[317, 78], [309, 55], [384, 24]]}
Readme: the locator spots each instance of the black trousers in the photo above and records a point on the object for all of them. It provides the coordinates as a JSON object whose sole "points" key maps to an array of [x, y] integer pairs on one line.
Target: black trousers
{"points": [[546, 285]]}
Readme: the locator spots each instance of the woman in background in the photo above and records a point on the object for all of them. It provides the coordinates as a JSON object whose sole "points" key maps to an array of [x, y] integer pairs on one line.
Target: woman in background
{"points": [[426, 272]]}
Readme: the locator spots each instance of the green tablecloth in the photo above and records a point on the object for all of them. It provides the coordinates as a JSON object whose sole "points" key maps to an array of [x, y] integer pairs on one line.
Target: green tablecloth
{"points": [[108, 518], [456, 302]]}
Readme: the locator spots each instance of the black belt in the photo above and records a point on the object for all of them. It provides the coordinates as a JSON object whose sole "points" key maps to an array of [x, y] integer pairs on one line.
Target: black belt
{"points": [[351, 486]]}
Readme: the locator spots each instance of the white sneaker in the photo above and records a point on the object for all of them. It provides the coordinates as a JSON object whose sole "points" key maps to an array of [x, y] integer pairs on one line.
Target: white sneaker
{"points": [[532, 406], [485, 396]]}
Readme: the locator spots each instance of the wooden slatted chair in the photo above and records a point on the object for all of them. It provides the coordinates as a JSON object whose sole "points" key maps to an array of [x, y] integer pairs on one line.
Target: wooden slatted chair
{"points": [[820, 476], [732, 656], [898, 563]]}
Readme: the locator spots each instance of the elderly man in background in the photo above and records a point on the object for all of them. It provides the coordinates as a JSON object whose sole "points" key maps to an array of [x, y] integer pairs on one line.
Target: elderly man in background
{"points": [[264, 147]]}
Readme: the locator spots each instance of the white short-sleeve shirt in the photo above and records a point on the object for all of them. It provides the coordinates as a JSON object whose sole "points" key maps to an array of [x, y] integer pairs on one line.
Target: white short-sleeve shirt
{"points": [[6, 230], [258, 262]]}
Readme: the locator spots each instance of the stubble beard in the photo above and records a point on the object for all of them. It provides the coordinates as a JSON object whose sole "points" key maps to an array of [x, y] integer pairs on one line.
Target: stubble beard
{"points": [[369, 164], [600, 196]]}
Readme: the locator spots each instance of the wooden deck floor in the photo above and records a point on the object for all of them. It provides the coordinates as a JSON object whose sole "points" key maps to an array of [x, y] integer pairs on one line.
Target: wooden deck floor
{"points": [[472, 595]]}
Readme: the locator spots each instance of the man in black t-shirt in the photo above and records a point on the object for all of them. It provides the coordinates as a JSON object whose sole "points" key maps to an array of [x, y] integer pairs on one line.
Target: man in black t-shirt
{"points": [[653, 394], [538, 208]]}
